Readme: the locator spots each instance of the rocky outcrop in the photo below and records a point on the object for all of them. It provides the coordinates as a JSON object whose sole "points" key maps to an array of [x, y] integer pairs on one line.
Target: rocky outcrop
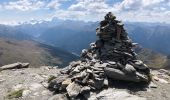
{"points": [[26, 83], [17, 65], [32, 84], [110, 58]]}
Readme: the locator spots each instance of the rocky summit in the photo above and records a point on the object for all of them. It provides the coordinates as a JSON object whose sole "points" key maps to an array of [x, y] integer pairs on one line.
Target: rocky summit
{"points": [[108, 70], [110, 59]]}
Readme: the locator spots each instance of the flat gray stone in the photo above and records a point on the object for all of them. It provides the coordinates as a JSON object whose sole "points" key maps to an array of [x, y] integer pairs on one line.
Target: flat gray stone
{"points": [[129, 69], [117, 74], [73, 89], [111, 94], [58, 97]]}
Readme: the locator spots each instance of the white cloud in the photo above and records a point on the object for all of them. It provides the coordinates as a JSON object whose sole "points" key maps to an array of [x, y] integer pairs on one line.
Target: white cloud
{"points": [[94, 10], [139, 4], [129, 10], [152, 2], [55, 4], [169, 3], [89, 5], [91, 10], [23, 5], [7, 22]]}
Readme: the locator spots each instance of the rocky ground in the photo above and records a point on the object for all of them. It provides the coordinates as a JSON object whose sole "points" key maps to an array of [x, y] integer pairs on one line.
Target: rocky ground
{"points": [[108, 70], [32, 83]]}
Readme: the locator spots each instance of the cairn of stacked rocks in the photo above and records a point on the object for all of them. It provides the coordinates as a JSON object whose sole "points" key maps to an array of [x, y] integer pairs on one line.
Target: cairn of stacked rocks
{"points": [[110, 58]]}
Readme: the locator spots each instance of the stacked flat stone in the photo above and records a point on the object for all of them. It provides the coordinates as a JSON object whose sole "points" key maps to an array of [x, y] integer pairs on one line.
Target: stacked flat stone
{"points": [[110, 58]]}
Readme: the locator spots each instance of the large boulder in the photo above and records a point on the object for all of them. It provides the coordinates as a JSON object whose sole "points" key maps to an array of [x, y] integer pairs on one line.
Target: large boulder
{"points": [[117, 74]]}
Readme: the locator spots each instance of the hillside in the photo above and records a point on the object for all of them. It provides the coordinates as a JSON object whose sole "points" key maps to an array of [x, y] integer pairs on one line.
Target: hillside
{"points": [[151, 58], [167, 64], [13, 32], [154, 36], [35, 53]]}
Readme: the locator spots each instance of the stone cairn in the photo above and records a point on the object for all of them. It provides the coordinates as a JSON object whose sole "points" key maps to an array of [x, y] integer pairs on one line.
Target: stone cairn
{"points": [[110, 58]]}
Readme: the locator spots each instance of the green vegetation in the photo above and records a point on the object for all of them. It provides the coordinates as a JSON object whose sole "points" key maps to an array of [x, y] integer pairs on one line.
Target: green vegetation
{"points": [[150, 76], [51, 78], [15, 94]]}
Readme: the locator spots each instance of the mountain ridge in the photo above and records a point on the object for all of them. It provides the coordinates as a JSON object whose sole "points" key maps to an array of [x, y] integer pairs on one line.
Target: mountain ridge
{"points": [[37, 54]]}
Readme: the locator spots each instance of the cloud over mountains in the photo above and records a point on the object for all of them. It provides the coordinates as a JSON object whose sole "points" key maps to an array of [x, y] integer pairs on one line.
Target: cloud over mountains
{"points": [[88, 10]]}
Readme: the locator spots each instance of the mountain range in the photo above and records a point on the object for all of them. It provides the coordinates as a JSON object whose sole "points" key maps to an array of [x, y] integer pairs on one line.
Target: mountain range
{"points": [[72, 36]]}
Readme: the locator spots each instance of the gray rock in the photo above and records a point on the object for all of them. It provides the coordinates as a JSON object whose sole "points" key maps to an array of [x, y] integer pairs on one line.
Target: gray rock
{"points": [[89, 71], [85, 79], [97, 69], [111, 94], [2, 80], [85, 89], [98, 83], [73, 89], [117, 74], [138, 62], [65, 83], [92, 45], [14, 66], [152, 85], [111, 62], [164, 71], [129, 69], [74, 63], [100, 71], [76, 70], [35, 86], [25, 65], [55, 85], [26, 93], [59, 97], [106, 82]]}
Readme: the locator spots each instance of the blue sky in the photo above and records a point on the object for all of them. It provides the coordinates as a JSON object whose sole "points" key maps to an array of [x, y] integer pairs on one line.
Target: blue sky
{"points": [[14, 11]]}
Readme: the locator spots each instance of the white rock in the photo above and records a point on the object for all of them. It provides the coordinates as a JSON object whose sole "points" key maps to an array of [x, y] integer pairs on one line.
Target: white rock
{"points": [[160, 80], [45, 84], [18, 87], [155, 78], [35, 86], [36, 94], [73, 89], [26, 93], [163, 81], [44, 92], [44, 76], [2, 80], [39, 77], [112, 62], [138, 62], [46, 68]]}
